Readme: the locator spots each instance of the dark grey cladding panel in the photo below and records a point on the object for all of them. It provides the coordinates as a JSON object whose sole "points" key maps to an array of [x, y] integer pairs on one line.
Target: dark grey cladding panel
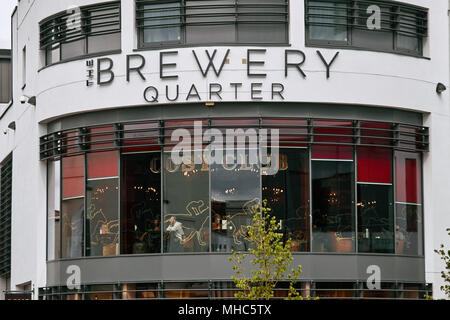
{"points": [[202, 267], [226, 109]]}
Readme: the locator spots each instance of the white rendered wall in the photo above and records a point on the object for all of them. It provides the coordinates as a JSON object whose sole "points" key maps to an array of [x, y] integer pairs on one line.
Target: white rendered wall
{"points": [[357, 78]]}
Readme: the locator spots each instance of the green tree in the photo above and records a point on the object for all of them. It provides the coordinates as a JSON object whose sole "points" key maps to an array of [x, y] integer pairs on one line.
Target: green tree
{"points": [[445, 256], [270, 256]]}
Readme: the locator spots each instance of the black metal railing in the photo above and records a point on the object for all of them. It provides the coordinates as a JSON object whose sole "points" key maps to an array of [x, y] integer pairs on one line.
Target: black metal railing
{"points": [[225, 290], [292, 132]]}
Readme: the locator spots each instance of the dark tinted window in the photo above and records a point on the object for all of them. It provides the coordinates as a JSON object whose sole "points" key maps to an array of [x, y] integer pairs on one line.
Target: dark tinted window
{"points": [[81, 31], [375, 25], [333, 220], [141, 185], [212, 21], [5, 80]]}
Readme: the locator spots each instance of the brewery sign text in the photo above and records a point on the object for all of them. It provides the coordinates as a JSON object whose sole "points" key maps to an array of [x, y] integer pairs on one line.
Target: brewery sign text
{"points": [[167, 87]]}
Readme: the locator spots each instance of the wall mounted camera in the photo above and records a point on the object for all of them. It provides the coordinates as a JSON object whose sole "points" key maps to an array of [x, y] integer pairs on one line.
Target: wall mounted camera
{"points": [[26, 99]]}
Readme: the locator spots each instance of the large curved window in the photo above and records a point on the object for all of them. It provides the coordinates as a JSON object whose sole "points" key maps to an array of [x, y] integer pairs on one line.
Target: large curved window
{"points": [[374, 25], [81, 31], [165, 23], [339, 186]]}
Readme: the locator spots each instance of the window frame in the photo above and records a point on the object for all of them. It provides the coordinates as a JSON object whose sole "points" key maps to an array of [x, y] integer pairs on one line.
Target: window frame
{"points": [[110, 137], [349, 44], [87, 249], [84, 37], [122, 178], [141, 45]]}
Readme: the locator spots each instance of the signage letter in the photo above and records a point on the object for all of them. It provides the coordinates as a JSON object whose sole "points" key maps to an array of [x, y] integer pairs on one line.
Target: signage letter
{"points": [[153, 98], [327, 65], [278, 92], [101, 71], [163, 65], [215, 92], [211, 62], [297, 66], [137, 69], [255, 63], [256, 91]]}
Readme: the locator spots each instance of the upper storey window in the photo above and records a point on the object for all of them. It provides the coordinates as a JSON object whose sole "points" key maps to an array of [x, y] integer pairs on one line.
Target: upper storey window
{"points": [[81, 31], [5, 78], [186, 22], [372, 25]]}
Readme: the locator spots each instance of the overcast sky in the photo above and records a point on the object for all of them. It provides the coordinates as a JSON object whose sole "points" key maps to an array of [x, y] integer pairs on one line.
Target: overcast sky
{"points": [[6, 8]]}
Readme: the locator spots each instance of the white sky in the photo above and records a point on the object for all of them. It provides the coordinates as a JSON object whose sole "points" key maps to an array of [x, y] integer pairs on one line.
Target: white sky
{"points": [[6, 8]]}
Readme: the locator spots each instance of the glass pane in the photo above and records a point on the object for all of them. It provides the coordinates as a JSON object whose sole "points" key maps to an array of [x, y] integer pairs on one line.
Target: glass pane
{"points": [[210, 21], [186, 290], [376, 39], [387, 291], [333, 219], [408, 179], [375, 218], [73, 176], [337, 133], [335, 289], [328, 152], [107, 42], [374, 165], [293, 132], [52, 56], [327, 21], [102, 137], [102, 164], [73, 49], [102, 221], [135, 291], [100, 292], [162, 22], [376, 133], [5, 81], [141, 231], [286, 193], [72, 228], [413, 291], [407, 38], [262, 33], [70, 142], [408, 43], [371, 39], [235, 197], [409, 229], [105, 24], [104, 20], [210, 34], [137, 135], [186, 207], [53, 207], [262, 21]]}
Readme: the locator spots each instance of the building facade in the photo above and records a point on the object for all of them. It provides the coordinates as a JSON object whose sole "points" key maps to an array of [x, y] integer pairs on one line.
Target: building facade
{"points": [[349, 95]]}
